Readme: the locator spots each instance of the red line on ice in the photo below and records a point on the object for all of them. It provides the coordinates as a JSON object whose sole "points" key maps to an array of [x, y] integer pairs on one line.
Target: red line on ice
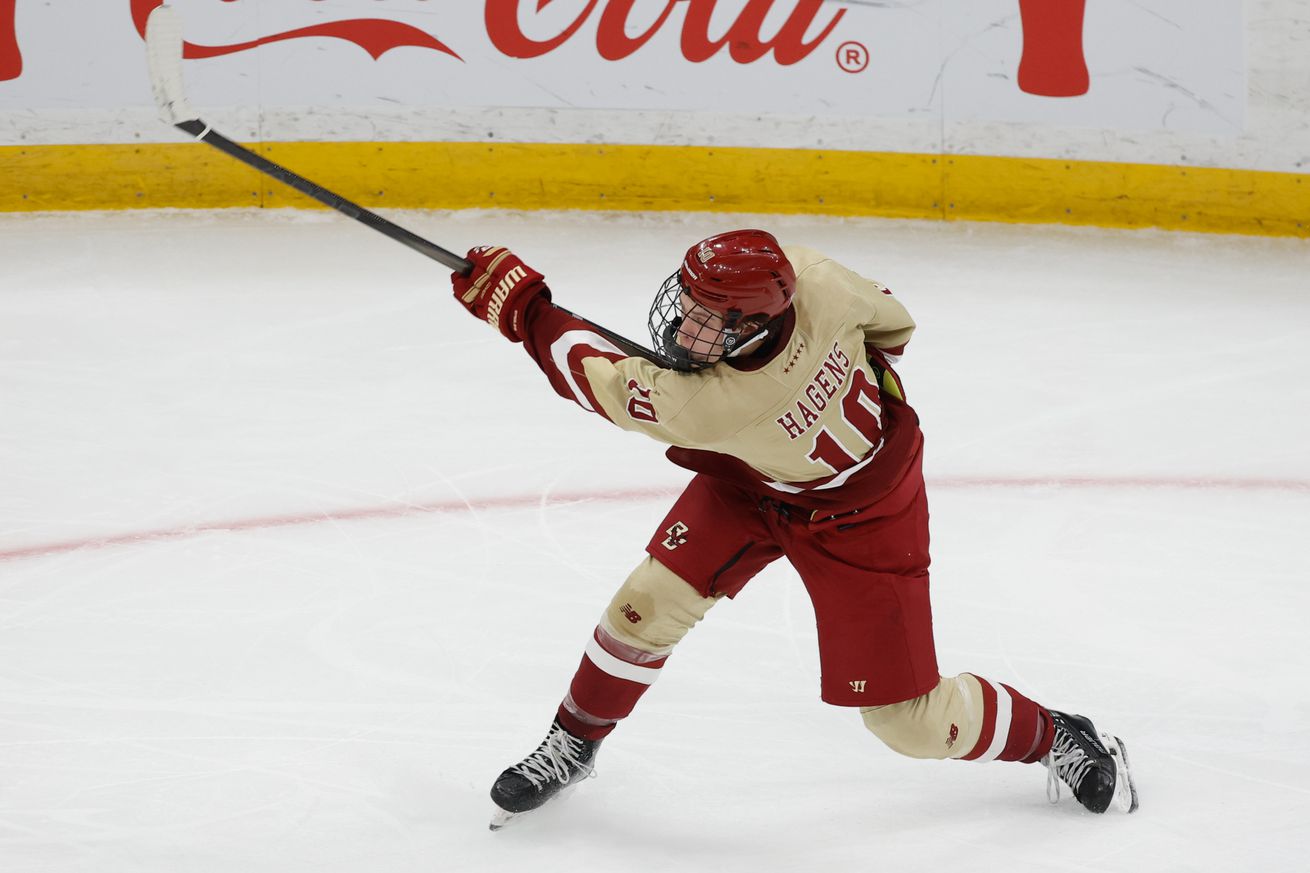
{"points": [[522, 501]]}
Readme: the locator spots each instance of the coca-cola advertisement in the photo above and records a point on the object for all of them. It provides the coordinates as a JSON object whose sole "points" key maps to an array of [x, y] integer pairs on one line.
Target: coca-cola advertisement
{"points": [[323, 69]]}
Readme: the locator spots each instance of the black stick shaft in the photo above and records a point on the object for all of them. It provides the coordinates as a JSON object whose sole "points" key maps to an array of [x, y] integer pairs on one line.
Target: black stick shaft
{"points": [[203, 132], [622, 343]]}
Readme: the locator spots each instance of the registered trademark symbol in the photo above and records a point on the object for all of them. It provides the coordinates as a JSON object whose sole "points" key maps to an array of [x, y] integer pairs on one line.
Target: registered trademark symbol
{"points": [[852, 57]]}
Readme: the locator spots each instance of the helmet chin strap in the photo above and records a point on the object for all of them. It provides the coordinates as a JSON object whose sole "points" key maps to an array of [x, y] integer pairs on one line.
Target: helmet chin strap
{"points": [[681, 358], [752, 340], [677, 356]]}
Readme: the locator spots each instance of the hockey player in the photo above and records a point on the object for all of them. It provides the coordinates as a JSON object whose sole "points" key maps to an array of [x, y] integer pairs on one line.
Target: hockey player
{"points": [[775, 386]]}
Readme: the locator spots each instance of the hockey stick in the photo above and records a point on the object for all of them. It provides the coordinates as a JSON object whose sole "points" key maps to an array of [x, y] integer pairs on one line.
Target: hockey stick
{"points": [[164, 56]]}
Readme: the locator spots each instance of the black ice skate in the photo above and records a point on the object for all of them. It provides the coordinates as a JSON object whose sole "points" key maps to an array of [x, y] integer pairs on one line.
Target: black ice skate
{"points": [[560, 761], [1094, 766]]}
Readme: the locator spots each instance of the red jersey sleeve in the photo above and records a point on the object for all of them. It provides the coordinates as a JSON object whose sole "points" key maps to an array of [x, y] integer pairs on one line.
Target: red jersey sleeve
{"points": [[559, 342]]}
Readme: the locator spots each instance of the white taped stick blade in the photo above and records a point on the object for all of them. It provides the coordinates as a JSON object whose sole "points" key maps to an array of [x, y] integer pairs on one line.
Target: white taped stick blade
{"points": [[164, 54]]}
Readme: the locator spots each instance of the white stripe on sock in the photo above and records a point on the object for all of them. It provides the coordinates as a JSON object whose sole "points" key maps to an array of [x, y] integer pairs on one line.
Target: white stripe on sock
{"points": [[1004, 712], [620, 669]]}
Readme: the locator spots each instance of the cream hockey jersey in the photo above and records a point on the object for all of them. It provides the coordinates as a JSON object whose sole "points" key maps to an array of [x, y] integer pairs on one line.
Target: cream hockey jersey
{"points": [[816, 418]]}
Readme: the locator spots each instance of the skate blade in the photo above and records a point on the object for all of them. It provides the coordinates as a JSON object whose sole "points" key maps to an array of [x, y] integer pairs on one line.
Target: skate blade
{"points": [[1125, 790], [501, 817]]}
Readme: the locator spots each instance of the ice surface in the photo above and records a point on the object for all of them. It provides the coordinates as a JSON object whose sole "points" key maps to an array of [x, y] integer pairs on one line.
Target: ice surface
{"points": [[295, 556]]}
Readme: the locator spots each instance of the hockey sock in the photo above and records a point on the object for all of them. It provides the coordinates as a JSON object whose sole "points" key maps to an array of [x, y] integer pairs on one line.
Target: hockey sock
{"points": [[1014, 728], [610, 680]]}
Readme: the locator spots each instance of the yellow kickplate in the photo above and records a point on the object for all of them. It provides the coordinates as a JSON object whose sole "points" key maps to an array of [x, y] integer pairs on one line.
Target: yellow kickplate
{"points": [[445, 175]]}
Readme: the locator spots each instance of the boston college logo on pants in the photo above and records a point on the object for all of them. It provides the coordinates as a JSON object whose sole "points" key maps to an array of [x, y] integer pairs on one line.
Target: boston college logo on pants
{"points": [[677, 536]]}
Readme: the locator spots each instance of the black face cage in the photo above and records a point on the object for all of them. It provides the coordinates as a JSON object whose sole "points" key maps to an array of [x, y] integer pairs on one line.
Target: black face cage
{"points": [[666, 317]]}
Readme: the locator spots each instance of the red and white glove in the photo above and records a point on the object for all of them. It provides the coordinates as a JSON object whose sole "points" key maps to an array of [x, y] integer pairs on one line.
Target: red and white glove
{"points": [[499, 288]]}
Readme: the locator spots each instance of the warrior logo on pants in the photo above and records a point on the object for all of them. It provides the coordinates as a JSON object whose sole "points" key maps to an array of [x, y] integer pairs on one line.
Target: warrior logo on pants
{"points": [[677, 536]]}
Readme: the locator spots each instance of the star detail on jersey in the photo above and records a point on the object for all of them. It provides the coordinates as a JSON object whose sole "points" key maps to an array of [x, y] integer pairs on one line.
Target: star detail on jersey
{"points": [[795, 356]]}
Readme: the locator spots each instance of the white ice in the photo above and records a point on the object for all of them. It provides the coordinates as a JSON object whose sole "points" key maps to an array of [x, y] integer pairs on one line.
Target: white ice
{"points": [[295, 556]]}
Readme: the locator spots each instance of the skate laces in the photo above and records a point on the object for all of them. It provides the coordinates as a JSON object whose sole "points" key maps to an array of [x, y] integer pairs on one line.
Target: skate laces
{"points": [[557, 758], [1066, 761]]}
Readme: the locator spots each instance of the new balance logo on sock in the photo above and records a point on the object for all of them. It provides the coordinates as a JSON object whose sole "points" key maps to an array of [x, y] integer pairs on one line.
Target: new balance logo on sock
{"points": [[630, 614], [858, 686]]}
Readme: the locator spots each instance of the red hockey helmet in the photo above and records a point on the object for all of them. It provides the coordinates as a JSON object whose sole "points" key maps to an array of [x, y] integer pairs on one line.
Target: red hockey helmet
{"points": [[742, 277], [741, 272]]}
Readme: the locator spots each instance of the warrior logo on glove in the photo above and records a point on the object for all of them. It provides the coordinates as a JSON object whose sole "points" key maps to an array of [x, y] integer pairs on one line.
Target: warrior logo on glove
{"points": [[499, 288]]}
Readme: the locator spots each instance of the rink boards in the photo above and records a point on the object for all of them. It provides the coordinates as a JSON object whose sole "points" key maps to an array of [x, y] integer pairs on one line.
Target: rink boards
{"points": [[458, 175], [1162, 113]]}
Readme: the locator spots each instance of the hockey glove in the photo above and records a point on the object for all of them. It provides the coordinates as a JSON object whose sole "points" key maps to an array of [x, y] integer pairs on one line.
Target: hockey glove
{"points": [[498, 289]]}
